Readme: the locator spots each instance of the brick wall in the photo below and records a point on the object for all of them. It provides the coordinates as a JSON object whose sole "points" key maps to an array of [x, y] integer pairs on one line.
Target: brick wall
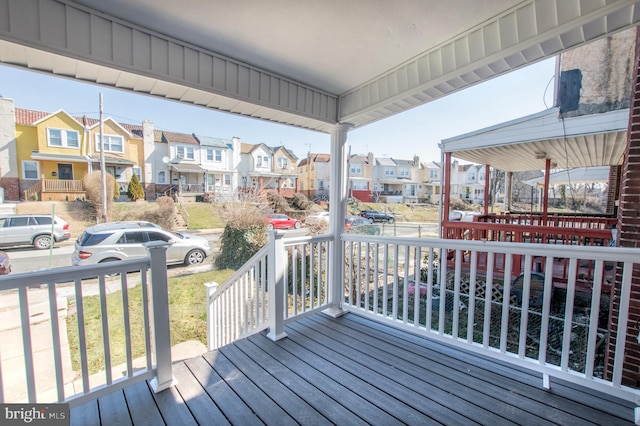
{"points": [[629, 236], [613, 189], [11, 188]]}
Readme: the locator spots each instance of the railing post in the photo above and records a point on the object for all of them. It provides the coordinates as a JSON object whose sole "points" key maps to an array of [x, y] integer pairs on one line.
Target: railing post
{"points": [[276, 285], [211, 288], [160, 312]]}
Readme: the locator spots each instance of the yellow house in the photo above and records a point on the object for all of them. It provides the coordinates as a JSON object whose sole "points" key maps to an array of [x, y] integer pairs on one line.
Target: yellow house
{"points": [[123, 153], [55, 151], [51, 155]]}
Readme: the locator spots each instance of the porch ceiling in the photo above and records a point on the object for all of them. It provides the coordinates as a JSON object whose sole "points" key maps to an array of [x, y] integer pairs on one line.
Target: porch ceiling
{"points": [[526, 143], [309, 64]]}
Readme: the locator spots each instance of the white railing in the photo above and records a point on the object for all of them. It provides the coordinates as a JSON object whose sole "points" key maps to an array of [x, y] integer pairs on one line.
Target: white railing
{"points": [[285, 280], [559, 328], [39, 307]]}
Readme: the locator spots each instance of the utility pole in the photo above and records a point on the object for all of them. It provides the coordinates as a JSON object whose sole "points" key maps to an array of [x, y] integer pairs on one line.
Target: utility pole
{"points": [[103, 172]]}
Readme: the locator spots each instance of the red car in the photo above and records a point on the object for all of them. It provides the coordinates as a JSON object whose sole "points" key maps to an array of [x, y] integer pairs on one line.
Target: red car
{"points": [[5, 263], [282, 221]]}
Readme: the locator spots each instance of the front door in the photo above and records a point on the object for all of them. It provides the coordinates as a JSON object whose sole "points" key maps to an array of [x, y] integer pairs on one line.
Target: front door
{"points": [[65, 172]]}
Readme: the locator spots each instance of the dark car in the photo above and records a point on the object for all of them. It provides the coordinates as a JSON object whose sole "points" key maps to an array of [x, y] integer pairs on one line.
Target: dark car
{"points": [[377, 216], [5, 263], [360, 225]]}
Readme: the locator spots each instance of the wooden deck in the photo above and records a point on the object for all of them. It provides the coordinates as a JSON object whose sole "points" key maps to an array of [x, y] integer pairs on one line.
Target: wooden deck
{"points": [[350, 371]]}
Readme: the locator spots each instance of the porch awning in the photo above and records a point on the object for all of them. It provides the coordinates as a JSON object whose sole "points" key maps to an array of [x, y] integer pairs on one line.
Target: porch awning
{"points": [[525, 143], [579, 175], [35, 155], [188, 168], [398, 181], [113, 161]]}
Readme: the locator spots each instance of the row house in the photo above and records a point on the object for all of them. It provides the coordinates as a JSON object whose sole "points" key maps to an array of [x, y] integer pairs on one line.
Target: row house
{"points": [[314, 176], [262, 168], [429, 178], [361, 176], [50, 153], [396, 181], [468, 182], [47, 155]]}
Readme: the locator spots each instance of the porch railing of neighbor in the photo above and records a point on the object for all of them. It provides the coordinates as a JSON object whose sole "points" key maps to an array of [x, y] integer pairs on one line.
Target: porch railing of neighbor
{"points": [[284, 280], [560, 328], [532, 229], [54, 358]]}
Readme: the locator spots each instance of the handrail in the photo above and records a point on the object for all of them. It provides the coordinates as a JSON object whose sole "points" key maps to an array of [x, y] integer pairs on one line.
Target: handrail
{"points": [[528, 319], [34, 292], [246, 302]]}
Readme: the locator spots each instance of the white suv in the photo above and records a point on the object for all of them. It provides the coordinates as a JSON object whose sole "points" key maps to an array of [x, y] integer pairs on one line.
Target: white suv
{"points": [[33, 229], [125, 240]]}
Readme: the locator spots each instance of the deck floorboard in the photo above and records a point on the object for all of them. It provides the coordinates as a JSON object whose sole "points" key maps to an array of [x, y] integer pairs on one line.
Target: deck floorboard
{"points": [[351, 370]]}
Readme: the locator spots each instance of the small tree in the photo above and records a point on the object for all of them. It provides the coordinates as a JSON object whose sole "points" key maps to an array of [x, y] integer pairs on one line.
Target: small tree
{"points": [[116, 190], [135, 190]]}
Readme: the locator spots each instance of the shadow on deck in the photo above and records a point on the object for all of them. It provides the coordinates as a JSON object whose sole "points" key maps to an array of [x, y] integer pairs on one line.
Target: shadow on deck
{"points": [[350, 370]]}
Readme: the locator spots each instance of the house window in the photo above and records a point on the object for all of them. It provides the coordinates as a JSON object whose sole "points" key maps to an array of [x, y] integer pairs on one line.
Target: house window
{"points": [[162, 177], [186, 152], [433, 174], [389, 171], [111, 143], [283, 163], [30, 169], [214, 155], [359, 186], [62, 138], [320, 184], [356, 169], [227, 180], [137, 171], [404, 172]]}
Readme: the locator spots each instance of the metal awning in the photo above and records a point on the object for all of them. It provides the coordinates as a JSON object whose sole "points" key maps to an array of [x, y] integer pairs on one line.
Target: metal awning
{"points": [[59, 157], [525, 143], [188, 168], [579, 175], [398, 181]]}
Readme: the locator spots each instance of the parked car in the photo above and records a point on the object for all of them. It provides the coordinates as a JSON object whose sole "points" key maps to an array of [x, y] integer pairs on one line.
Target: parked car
{"points": [[33, 229], [113, 241], [377, 216], [316, 218], [462, 215], [360, 225], [5, 263], [282, 221]]}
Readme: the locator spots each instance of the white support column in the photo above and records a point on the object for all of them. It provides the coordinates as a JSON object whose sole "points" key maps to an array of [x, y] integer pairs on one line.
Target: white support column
{"points": [[276, 285], [337, 211], [160, 311]]}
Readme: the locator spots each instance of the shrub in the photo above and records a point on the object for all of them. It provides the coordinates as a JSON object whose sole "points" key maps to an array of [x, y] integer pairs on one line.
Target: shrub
{"points": [[301, 202], [277, 202], [457, 204], [161, 214], [244, 233], [116, 190], [93, 187], [135, 190]]}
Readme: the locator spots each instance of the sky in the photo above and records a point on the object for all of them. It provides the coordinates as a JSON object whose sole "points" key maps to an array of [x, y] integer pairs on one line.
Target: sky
{"points": [[402, 136]]}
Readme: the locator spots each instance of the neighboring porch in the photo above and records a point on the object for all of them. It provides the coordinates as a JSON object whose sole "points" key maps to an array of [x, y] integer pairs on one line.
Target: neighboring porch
{"points": [[55, 190], [350, 370]]}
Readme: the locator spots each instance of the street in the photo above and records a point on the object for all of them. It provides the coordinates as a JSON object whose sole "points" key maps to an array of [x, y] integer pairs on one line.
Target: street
{"points": [[28, 259]]}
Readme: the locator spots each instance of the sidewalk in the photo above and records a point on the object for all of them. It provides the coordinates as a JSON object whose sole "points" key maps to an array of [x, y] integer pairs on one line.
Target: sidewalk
{"points": [[12, 360]]}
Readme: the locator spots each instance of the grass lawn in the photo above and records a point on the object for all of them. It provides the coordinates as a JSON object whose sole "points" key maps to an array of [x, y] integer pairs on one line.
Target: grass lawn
{"points": [[203, 216], [187, 313]]}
